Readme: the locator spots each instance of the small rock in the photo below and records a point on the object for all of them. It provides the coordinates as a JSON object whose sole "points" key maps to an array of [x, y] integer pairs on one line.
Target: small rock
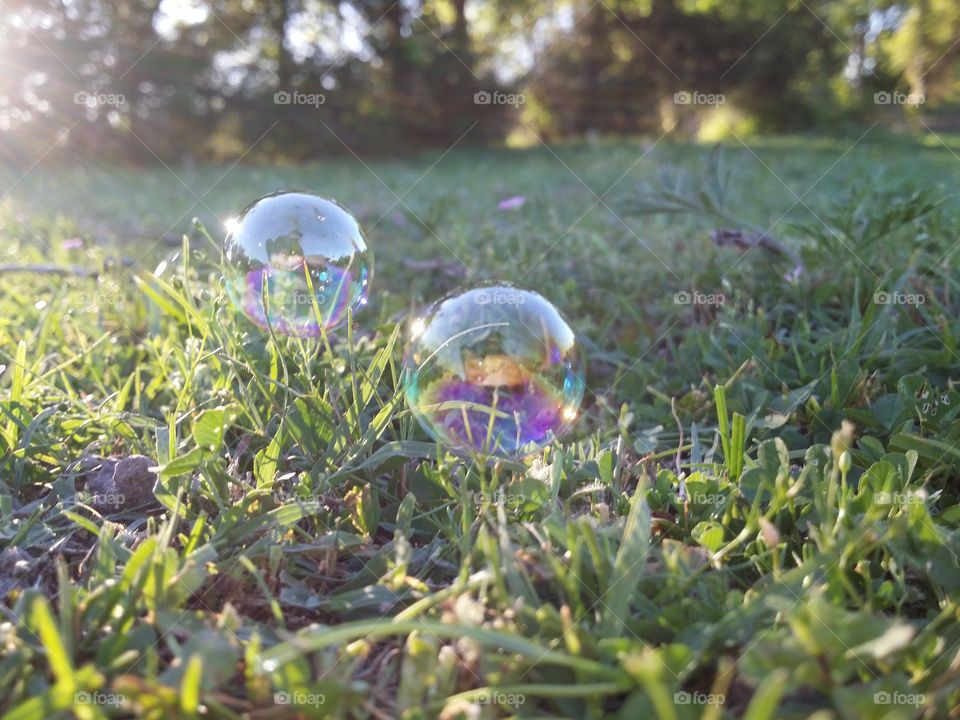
{"points": [[122, 483], [15, 565], [15, 561]]}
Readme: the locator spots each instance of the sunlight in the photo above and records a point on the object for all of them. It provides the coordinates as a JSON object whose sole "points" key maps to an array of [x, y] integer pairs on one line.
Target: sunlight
{"points": [[231, 224]]}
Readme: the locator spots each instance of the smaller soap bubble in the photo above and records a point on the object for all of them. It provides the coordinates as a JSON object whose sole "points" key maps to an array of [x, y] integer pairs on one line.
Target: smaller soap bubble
{"points": [[493, 370], [296, 262]]}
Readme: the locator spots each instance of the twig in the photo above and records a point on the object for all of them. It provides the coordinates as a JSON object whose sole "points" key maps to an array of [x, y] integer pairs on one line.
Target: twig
{"points": [[673, 410], [48, 269], [745, 241], [449, 267]]}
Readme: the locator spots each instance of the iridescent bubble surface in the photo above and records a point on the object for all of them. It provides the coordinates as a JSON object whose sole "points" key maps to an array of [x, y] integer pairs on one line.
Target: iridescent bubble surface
{"points": [[493, 370], [296, 262]]}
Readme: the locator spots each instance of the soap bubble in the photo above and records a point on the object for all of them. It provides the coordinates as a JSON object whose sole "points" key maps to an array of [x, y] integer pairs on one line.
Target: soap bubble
{"points": [[493, 370], [296, 261]]}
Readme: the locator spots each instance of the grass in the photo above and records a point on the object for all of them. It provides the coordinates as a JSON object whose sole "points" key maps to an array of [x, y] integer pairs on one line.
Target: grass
{"points": [[712, 539]]}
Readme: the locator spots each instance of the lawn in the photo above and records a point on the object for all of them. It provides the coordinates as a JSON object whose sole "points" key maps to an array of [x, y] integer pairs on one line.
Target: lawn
{"points": [[755, 514]]}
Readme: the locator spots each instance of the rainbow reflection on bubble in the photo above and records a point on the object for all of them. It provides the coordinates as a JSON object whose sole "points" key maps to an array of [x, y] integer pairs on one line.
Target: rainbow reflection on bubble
{"points": [[296, 262], [493, 370]]}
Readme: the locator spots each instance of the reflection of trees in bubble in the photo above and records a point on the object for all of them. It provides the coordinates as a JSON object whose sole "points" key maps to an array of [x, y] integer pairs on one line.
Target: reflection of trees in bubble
{"points": [[305, 263]]}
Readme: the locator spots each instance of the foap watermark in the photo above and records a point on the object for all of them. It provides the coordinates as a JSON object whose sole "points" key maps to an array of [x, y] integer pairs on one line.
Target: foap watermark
{"points": [[687, 97], [286, 97], [108, 499], [931, 402], [299, 698], [909, 497], [899, 98], [298, 298], [495, 697], [896, 297], [898, 698], [499, 297], [91, 300], [485, 97], [682, 697], [99, 698], [696, 297], [296, 301], [99, 99], [509, 500], [707, 499], [281, 497]]}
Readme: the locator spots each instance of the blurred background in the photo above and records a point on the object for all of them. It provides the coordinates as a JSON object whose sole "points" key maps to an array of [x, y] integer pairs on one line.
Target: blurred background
{"points": [[181, 81]]}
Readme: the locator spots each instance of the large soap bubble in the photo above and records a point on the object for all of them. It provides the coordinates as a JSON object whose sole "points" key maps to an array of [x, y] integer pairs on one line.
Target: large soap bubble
{"points": [[296, 262], [493, 370]]}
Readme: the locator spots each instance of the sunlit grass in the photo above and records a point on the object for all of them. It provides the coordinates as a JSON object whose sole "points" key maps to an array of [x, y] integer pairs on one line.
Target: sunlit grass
{"points": [[695, 536]]}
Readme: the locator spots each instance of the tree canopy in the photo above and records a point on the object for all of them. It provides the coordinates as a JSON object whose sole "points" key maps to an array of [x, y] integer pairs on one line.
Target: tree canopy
{"points": [[206, 79]]}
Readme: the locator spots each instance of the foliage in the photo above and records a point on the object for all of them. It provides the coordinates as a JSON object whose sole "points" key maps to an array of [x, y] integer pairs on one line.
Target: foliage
{"points": [[310, 553], [288, 80]]}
